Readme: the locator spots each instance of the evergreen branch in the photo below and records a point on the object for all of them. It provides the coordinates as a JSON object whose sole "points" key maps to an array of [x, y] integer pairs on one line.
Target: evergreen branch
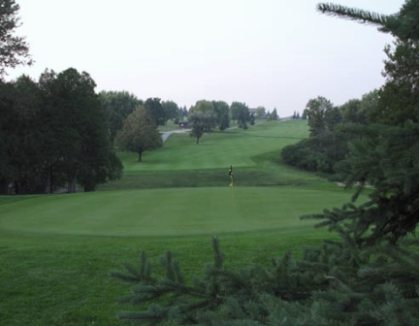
{"points": [[384, 21]]}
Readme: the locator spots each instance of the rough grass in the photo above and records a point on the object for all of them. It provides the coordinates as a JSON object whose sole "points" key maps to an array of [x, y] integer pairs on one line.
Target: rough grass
{"points": [[56, 251]]}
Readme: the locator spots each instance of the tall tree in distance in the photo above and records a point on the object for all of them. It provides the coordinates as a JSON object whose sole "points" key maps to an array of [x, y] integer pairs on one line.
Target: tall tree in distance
{"points": [[203, 118], [13, 49], [240, 112], [171, 110], [260, 112], [139, 133], [155, 111], [222, 113], [118, 105], [273, 115], [316, 111]]}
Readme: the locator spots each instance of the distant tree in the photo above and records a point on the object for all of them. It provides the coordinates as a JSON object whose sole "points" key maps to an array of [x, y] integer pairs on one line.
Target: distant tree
{"points": [[155, 111], [252, 119], [316, 110], [260, 112], [273, 115], [118, 105], [183, 111], [350, 111], [369, 105], [222, 113], [139, 133], [240, 113], [171, 110], [332, 118], [203, 118], [13, 49]]}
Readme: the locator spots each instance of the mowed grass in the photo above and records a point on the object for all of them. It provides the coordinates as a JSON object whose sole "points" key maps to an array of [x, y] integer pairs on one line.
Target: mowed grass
{"points": [[253, 153], [219, 149], [168, 212], [56, 251]]}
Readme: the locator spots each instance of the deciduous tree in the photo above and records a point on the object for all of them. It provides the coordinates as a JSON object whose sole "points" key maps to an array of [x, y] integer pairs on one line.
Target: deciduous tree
{"points": [[240, 112], [171, 110], [155, 111], [118, 105], [222, 112], [203, 118], [139, 133]]}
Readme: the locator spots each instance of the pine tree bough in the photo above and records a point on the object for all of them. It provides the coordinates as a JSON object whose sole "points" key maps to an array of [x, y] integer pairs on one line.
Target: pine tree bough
{"points": [[338, 283]]}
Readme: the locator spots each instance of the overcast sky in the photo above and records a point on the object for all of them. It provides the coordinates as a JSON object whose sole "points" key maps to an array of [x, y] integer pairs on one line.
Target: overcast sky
{"points": [[273, 53]]}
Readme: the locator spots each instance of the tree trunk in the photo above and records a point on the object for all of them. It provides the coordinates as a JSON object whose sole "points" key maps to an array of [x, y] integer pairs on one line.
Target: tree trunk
{"points": [[4, 187], [91, 186], [140, 155], [72, 185], [50, 181], [197, 140]]}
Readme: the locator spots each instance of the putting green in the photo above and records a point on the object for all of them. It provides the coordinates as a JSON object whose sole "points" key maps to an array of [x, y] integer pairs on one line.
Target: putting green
{"points": [[162, 212]]}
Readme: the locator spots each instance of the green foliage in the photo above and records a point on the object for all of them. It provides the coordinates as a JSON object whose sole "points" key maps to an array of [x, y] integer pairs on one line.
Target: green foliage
{"points": [[13, 49], [240, 113], [171, 110], [322, 116], [338, 283], [203, 118], [139, 133], [331, 133], [222, 112], [327, 144], [403, 25], [383, 154], [55, 135], [273, 115], [387, 159], [78, 147], [155, 111], [260, 112], [400, 95], [118, 105]]}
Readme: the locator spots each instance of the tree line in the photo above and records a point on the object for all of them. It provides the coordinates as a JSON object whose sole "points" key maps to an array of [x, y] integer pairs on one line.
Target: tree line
{"points": [[53, 134], [329, 138], [58, 134], [134, 123]]}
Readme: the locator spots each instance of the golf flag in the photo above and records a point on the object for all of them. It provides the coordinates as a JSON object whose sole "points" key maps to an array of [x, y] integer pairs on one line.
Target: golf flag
{"points": [[230, 173]]}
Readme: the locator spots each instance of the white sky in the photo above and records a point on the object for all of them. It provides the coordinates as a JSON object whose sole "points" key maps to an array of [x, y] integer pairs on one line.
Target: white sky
{"points": [[273, 53]]}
